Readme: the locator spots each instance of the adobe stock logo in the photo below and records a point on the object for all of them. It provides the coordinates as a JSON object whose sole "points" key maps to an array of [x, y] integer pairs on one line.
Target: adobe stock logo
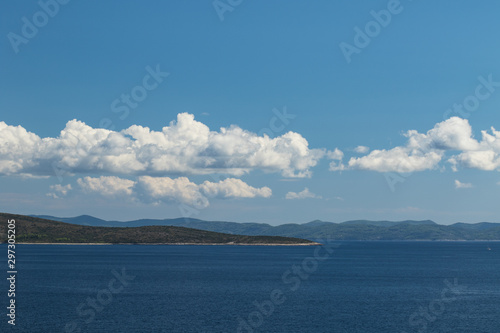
{"points": [[87, 311], [29, 29], [222, 6], [125, 102], [372, 29], [471, 103]]}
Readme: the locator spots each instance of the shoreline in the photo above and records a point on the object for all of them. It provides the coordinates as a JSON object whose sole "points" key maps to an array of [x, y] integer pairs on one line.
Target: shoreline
{"points": [[211, 244], [266, 244]]}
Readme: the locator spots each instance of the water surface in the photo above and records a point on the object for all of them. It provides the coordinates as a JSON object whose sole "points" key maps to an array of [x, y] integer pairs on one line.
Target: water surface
{"points": [[360, 287]]}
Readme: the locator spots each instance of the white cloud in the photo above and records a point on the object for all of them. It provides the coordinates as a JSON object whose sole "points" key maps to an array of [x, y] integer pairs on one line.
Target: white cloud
{"points": [[459, 184], [483, 160], [399, 159], [181, 189], [59, 190], [425, 151], [336, 166], [452, 134], [107, 185], [233, 188], [361, 149], [17, 148], [302, 195], [164, 189], [186, 146], [485, 157], [337, 156], [189, 147]]}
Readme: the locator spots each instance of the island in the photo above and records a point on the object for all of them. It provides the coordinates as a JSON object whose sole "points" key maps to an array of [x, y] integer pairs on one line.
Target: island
{"points": [[34, 230]]}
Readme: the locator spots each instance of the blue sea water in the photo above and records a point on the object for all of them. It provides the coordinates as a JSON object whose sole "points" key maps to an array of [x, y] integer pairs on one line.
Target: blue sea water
{"points": [[358, 287]]}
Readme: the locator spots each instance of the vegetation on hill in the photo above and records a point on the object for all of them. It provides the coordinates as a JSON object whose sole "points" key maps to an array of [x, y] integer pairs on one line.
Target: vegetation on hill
{"points": [[37, 230], [316, 230]]}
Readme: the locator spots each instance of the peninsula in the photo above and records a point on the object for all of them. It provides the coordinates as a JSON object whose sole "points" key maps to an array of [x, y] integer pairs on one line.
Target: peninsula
{"points": [[42, 231]]}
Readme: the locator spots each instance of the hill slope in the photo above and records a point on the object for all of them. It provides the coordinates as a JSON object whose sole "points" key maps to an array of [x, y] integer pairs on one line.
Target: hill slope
{"points": [[349, 230], [36, 230]]}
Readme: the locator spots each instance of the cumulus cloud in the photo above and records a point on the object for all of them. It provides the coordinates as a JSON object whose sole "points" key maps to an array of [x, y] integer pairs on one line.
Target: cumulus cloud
{"points": [[165, 189], [361, 149], [485, 157], [459, 184], [17, 148], [233, 188], [483, 160], [185, 146], [157, 189], [107, 186], [399, 159], [58, 191], [424, 151], [302, 195], [337, 156]]}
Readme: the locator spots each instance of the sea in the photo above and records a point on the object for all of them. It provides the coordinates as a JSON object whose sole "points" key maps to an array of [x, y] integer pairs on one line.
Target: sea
{"points": [[353, 286]]}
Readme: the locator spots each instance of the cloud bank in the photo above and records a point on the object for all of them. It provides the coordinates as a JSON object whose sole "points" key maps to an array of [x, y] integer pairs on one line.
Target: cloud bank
{"points": [[165, 189], [424, 151], [185, 146], [189, 147]]}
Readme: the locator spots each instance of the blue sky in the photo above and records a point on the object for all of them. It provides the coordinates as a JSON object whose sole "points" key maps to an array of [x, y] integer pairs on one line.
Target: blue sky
{"points": [[262, 60]]}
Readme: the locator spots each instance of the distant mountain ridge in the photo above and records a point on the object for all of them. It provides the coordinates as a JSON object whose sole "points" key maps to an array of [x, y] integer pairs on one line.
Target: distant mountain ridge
{"points": [[314, 230]]}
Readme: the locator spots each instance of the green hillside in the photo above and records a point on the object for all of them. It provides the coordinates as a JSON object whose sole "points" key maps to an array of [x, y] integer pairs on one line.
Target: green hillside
{"points": [[37, 230]]}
